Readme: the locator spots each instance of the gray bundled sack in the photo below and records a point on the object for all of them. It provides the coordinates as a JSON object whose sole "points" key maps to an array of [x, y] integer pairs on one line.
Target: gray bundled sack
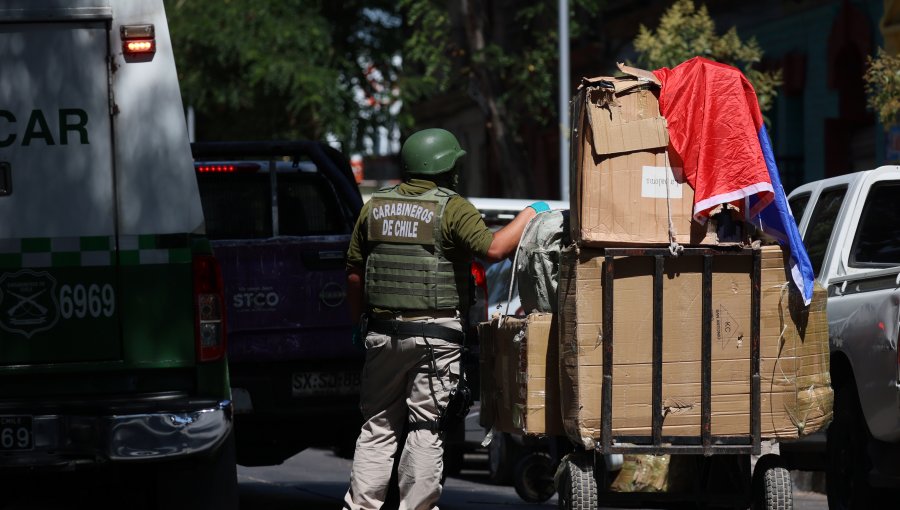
{"points": [[537, 260]]}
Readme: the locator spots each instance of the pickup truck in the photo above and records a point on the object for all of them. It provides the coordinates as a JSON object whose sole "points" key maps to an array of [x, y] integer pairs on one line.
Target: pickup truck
{"points": [[851, 228], [279, 217]]}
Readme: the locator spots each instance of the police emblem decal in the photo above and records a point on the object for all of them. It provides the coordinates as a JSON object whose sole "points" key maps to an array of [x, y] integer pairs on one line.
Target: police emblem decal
{"points": [[28, 302]]}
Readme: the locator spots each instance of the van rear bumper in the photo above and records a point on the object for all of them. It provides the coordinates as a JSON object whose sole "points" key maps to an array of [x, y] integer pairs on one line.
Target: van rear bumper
{"points": [[61, 440]]}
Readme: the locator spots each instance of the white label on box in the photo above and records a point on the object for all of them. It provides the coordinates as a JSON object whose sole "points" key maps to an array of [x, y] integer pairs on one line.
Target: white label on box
{"points": [[653, 182]]}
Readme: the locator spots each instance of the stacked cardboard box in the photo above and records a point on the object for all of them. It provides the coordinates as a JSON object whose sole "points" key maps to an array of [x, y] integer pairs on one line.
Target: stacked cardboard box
{"points": [[625, 182], [520, 375], [796, 396]]}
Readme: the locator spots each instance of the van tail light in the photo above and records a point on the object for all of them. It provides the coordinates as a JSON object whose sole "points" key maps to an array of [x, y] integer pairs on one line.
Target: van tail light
{"points": [[209, 309], [138, 40]]}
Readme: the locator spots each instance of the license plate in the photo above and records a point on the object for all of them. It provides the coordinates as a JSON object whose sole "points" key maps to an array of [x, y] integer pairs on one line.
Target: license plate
{"points": [[306, 384], [15, 433]]}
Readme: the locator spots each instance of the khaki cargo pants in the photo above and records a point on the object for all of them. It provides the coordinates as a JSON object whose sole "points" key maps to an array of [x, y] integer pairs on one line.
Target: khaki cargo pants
{"points": [[400, 388]]}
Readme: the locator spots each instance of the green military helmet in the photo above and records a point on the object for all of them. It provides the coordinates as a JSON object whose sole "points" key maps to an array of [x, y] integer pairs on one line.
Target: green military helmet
{"points": [[430, 152]]}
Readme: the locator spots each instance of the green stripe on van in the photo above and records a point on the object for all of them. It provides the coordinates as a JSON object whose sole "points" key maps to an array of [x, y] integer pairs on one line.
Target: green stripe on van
{"points": [[96, 243], [95, 251], [11, 260], [35, 245]]}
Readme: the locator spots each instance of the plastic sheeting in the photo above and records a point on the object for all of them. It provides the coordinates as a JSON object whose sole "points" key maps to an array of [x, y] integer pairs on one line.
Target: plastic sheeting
{"points": [[537, 260]]}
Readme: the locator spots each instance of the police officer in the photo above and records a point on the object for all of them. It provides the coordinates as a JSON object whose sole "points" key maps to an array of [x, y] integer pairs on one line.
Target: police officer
{"points": [[408, 269]]}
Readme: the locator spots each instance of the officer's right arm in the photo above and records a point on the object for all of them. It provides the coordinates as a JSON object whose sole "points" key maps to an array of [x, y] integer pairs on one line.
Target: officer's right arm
{"points": [[507, 238]]}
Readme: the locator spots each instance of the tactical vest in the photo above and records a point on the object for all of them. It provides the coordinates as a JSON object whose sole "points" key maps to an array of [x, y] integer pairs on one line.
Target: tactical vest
{"points": [[406, 268]]}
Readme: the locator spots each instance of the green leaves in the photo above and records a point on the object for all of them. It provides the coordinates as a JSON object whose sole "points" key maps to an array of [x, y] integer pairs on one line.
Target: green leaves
{"points": [[685, 32], [882, 81], [279, 69]]}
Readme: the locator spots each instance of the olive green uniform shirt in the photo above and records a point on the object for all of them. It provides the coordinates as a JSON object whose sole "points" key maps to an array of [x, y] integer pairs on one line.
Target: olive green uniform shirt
{"points": [[464, 233]]}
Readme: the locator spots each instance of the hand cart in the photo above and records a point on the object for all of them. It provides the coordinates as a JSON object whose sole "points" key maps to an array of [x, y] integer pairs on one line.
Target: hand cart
{"points": [[724, 476]]}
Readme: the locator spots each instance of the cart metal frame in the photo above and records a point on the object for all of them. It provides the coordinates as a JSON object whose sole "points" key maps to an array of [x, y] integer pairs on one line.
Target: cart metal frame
{"points": [[707, 443]]}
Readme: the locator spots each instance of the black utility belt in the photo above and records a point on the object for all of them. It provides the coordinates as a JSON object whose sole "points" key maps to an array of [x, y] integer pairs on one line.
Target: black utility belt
{"points": [[425, 329]]}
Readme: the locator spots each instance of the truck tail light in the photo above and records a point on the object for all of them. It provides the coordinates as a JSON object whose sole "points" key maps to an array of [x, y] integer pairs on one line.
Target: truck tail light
{"points": [[138, 41], [226, 168], [209, 309]]}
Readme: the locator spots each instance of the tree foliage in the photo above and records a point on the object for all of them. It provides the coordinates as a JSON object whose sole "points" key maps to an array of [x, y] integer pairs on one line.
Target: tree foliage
{"points": [[277, 69], [882, 80], [504, 55], [518, 49], [686, 31]]}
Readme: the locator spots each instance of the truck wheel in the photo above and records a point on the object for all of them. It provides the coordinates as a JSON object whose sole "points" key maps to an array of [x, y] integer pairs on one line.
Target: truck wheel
{"points": [[577, 485], [534, 478], [846, 475], [503, 454]]}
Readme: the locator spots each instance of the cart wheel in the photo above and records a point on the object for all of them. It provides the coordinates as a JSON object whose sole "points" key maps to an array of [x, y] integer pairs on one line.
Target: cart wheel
{"points": [[534, 477], [774, 491], [503, 454], [577, 485]]}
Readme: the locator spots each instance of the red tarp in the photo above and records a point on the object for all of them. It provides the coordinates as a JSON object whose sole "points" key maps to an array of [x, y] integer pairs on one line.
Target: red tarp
{"points": [[714, 124]]}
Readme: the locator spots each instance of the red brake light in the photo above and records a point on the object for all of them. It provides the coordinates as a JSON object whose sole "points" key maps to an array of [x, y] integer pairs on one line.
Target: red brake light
{"points": [[138, 41], [479, 275], [209, 309], [140, 46], [206, 169], [225, 168]]}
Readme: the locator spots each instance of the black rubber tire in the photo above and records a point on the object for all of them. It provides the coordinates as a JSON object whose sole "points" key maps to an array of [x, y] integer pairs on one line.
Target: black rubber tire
{"points": [[534, 477], [503, 455], [577, 485], [847, 471], [777, 490]]}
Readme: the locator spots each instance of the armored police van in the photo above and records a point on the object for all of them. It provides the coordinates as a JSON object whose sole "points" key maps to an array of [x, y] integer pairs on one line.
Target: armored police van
{"points": [[112, 334]]}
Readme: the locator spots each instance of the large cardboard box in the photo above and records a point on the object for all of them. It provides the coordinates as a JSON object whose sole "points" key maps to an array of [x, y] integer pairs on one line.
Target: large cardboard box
{"points": [[519, 367], [624, 184], [796, 395]]}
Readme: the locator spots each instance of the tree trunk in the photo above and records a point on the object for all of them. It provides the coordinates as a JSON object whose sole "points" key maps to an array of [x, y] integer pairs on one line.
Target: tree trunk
{"points": [[505, 146]]}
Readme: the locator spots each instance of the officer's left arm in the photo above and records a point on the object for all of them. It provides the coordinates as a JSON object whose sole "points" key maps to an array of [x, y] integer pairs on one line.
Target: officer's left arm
{"points": [[355, 268]]}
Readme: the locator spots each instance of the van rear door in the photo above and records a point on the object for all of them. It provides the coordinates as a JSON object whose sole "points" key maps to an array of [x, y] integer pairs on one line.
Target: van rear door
{"points": [[58, 235]]}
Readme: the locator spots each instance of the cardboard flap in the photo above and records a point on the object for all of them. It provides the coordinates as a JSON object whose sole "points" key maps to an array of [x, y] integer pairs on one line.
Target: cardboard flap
{"points": [[616, 86], [638, 73], [613, 135]]}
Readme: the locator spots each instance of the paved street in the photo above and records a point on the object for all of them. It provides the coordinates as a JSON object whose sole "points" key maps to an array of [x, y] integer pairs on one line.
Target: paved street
{"points": [[317, 480]]}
